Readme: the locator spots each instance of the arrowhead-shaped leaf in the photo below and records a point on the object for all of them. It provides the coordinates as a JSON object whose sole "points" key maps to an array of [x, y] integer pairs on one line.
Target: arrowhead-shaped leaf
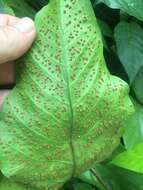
{"points": [[66, 110]]}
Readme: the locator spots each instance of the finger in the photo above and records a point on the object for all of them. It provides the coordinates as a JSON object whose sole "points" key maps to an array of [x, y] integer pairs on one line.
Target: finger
{"points": [[3, 95], [6, 19], [17, 37]]}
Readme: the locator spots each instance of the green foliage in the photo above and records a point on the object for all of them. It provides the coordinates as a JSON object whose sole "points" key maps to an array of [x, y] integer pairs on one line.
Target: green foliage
{"points": [[132, 7], [134, 128], [105, 29], [131, 159], [37, 4], [9, 185], [129, 40], [82, 186], [20, 8], [111, 177], [4, 8], [137, 85]]}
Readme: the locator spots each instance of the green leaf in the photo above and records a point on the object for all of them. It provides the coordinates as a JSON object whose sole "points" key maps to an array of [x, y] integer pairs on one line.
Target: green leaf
{"points": [[134, 128], [88, 177], [37, 4], [83, 186], [105, 29], [4, 8], [106, 32], [21, 8], [110, 16], [132, 7], [129, 40], [66, 111], [109, 177], [116, 178], [137, 86], [1, 176], [6, 184], [131, 159]]}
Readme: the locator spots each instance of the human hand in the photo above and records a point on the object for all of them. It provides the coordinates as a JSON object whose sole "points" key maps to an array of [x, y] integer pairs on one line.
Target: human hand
{"points": [[16, 37]]}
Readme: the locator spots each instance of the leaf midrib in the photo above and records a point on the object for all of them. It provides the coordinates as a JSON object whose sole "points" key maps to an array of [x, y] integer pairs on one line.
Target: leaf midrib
{"points": [[66, 74]]}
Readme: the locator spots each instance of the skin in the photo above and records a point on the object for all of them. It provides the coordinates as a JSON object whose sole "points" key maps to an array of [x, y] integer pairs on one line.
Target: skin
{"points": [[16, 37]]}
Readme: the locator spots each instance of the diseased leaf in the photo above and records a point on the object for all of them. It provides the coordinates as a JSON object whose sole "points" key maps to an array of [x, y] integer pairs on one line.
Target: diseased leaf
{"points": [[134, 128], [66, 111], [131, 159], [132, 7], [5, 184], [129, 40]]}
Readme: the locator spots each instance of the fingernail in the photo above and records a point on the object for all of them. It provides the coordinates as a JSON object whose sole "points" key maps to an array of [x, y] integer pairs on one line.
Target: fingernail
{"points": [[25, 25]]}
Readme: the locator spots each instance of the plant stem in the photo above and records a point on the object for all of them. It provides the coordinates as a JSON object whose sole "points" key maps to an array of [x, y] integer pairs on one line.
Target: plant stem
{"points": [[93, 171]]}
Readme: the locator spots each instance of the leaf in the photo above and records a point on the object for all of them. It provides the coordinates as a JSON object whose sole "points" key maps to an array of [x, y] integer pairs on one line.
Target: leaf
{"points": [[4, 8], [131, 159], [1, 176], [137, 86], [116, 178], [21, 8], [109, 177], [88, 177], [110, 16], [132, 7], [134, 128], [114, 64], [5, 184], [106, 32], [66, 111], [129, 40], [37, 4], [105, 29], [83, 186]]}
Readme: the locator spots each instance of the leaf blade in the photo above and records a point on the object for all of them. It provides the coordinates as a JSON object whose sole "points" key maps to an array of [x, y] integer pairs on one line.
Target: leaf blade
{"points": [[133, 8], [64, 83], [129, 53]]}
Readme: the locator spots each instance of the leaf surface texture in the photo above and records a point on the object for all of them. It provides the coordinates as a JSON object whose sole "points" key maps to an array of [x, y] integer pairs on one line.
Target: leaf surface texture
{"points": [[66, 110]]}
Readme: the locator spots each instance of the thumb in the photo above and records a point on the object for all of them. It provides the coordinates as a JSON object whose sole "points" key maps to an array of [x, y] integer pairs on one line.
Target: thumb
{"points": [[16, 37]]}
